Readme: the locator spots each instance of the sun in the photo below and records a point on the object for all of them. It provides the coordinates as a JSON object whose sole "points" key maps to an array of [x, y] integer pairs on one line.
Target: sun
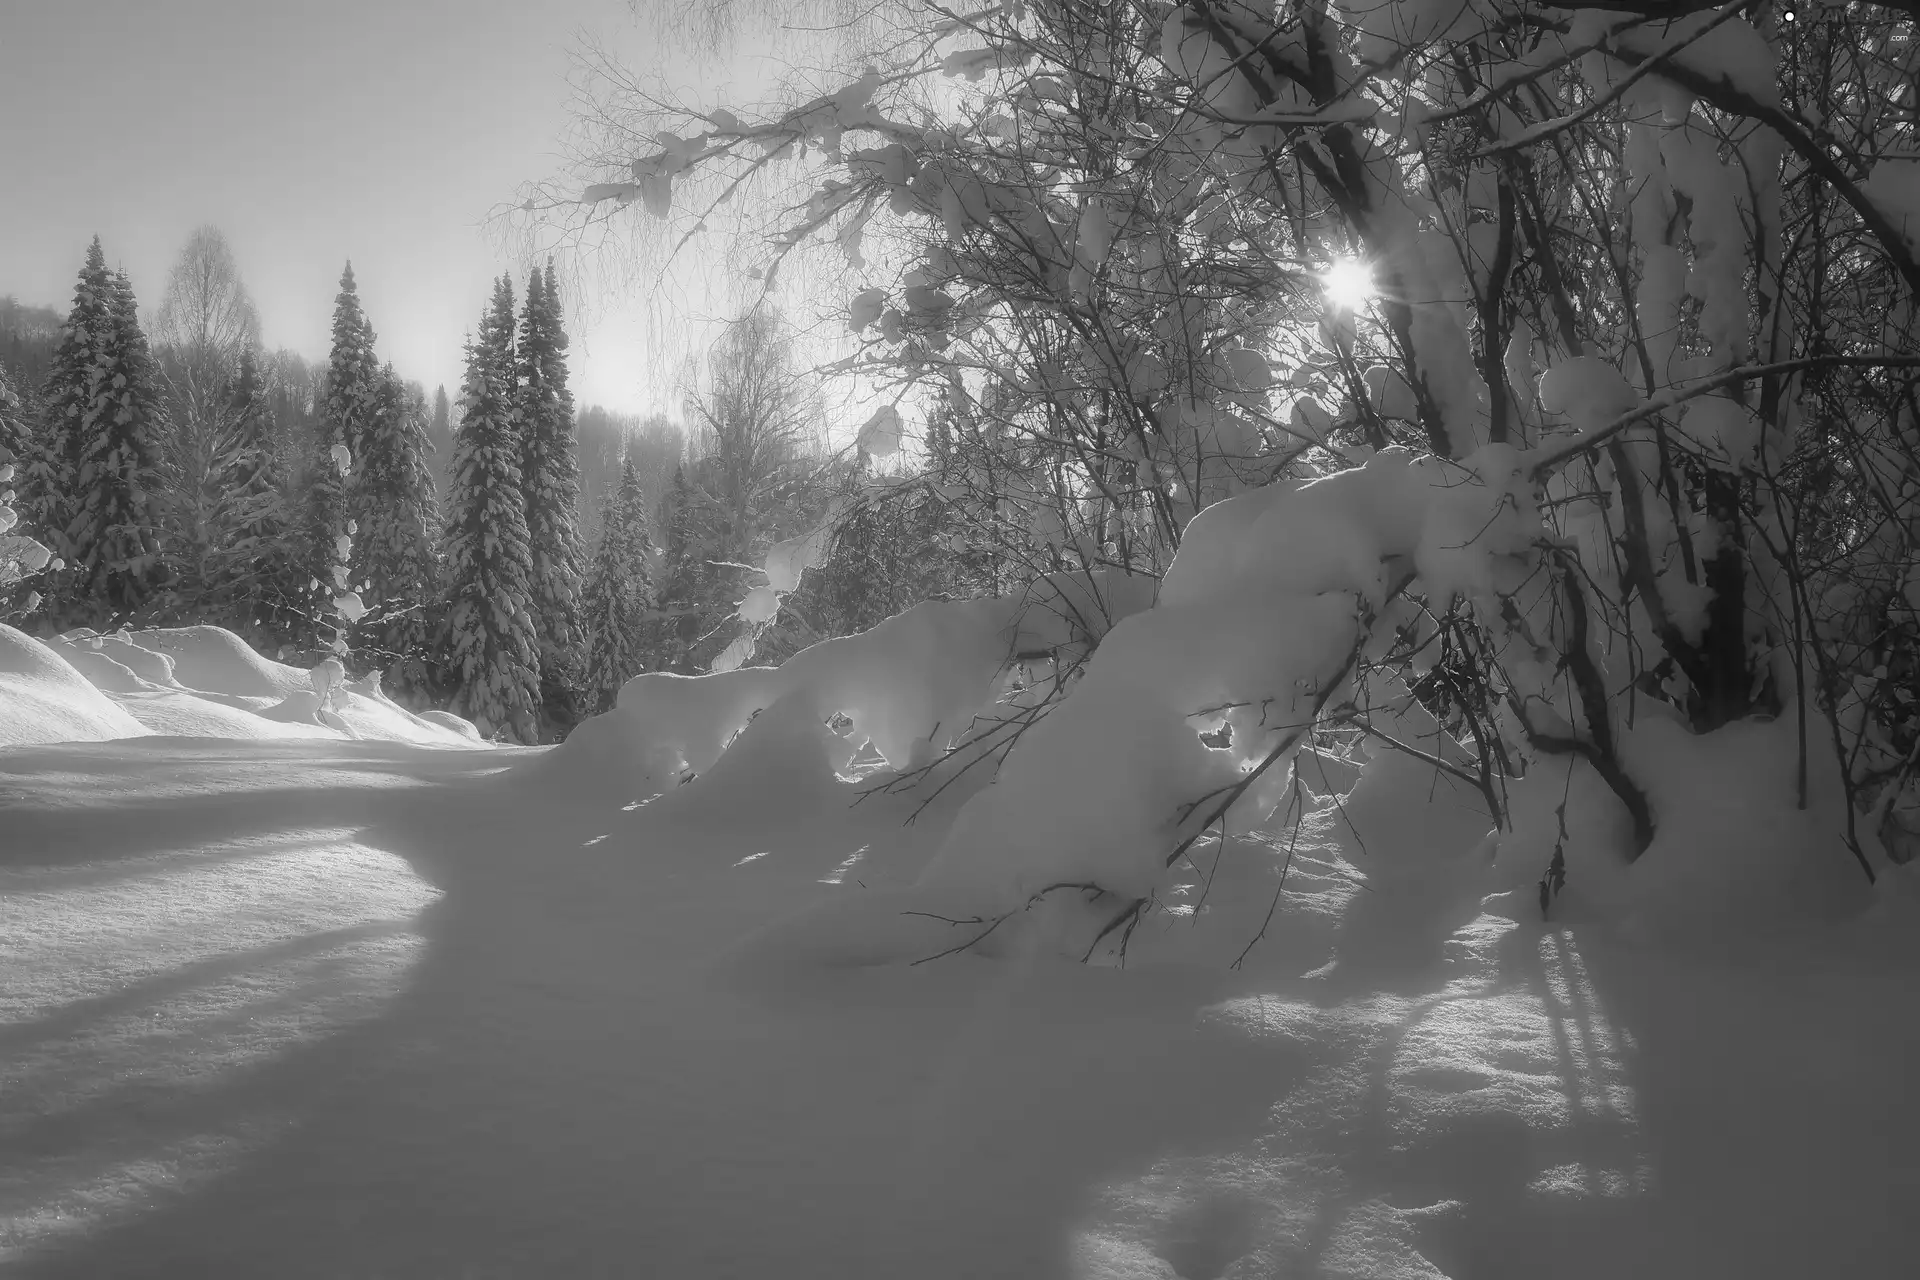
{"points": [[1348, 284]]}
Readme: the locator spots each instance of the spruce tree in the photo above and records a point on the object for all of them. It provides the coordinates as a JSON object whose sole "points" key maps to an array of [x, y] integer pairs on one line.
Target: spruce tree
{"points": [[329, 513], [492, 644], [95, 472], [14, 435], [550, 481], [259, 583], [22, 555], [393, 551], [68, 408], [618, 601], [440, 432]]}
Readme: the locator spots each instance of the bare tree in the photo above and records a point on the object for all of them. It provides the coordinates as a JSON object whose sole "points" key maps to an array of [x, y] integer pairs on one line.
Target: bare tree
{"points": [[753, 425], [207, 321]]}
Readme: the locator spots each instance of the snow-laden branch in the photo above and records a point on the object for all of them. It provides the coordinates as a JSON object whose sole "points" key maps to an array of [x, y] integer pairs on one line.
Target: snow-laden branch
{"points": [[1547, 460]]}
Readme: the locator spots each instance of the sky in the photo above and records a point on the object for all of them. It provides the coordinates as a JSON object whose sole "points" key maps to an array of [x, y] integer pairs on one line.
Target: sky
{"points": [[381, 131]]}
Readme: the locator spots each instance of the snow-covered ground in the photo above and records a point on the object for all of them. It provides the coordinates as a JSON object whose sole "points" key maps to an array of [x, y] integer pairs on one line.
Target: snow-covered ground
{"points": [[336, 1007], [191, 682]]}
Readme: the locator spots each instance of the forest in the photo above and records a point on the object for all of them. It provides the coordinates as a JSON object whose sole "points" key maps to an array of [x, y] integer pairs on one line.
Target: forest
{"points": [[205, 490], [1629, 288], [1268, 639]]}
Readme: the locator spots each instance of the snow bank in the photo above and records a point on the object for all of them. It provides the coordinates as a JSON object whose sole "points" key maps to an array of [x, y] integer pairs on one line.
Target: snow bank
{"points": [[212, 658], [1257, 625], [1733, 855], [912, 686], [43, 699], [179, 713], [200, 682], [1260, 619], [458, 724]]}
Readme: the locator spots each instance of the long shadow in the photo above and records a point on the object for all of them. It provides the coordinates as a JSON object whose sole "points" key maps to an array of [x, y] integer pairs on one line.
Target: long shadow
{"points": [[1480, 1156], [63, 877], [120, 828], [73, 1018], [183, 1108], [442, 827], [511, 1112]]}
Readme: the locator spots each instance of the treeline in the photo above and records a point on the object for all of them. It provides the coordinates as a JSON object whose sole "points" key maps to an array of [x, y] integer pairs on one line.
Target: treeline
{"points": [[495, 552], [188, 475]]}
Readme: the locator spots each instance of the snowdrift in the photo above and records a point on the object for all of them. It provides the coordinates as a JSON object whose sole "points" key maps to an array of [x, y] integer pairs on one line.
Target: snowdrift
{"points": [[44, 699], [1257, 623], [1256, 626], [918, 684], [191, 682]]}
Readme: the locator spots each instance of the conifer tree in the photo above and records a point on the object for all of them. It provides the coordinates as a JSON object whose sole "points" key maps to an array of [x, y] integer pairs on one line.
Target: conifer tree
{"points": [[679, 581], [22, 556], [393, 551], [259, 583], [618, 599], [96, 471], [329, 513], [696, 594], [440, 432], [68, 406], [14, 435], [550, 481], [492, 644]]}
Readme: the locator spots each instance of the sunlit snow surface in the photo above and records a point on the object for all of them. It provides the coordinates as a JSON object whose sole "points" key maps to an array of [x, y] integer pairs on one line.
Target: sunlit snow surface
{"points": [[352, 1009], [150, 993], [1443, 1091]]}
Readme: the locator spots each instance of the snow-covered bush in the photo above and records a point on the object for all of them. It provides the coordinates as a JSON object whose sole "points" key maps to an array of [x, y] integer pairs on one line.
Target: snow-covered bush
{"points": [[1551, 366]]}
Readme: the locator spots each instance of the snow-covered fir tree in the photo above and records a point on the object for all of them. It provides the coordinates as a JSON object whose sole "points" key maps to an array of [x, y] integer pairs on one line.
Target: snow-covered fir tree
{"points": [[260, 586], [440, 434], [95, 472], [618, 601], [394, 549], [14, 432], [491, 640], [68, 407], [119, 541], [22, 556], [329, 512], [550, 481]]}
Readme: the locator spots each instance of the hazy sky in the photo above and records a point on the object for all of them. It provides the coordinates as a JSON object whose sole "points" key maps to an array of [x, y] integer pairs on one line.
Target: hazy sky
{"points": [[384, 131]]}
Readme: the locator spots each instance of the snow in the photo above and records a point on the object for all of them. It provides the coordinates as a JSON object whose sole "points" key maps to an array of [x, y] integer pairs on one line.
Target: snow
{"points": [[42, 699], [190, 682], [344, 1008], [880, 435], [912, 685]]}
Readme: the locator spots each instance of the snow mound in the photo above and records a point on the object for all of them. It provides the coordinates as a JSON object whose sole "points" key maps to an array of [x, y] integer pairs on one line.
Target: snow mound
{"points": [[913, 686], [785, 759], [155, 668], [43, 699], [460, 725], [362, 716], [178, 713], [1733, 858], [105, 674], [301, 707], [216, 660], [197, 682]]}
